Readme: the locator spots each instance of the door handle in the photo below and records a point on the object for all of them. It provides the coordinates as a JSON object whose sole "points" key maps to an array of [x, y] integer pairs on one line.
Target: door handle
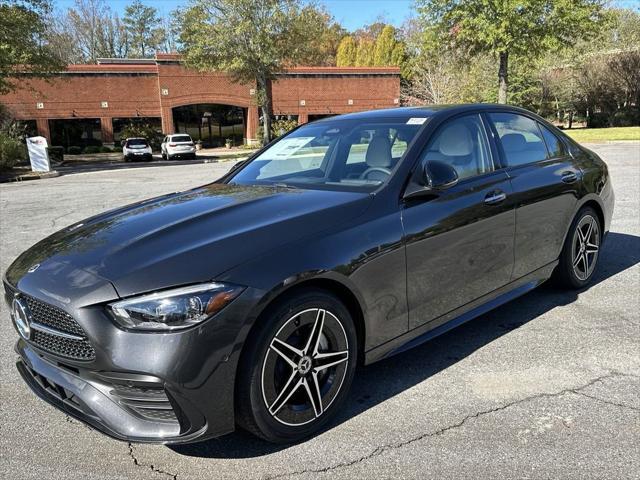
{"points": [[495, 197], [569, 177]]}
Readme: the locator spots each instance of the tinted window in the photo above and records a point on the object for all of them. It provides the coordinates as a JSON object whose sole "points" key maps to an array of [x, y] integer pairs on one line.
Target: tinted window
{"points": [[181, 138], [462, 143], [520, 137], [335, 154], [138, 142], [554, 145]]}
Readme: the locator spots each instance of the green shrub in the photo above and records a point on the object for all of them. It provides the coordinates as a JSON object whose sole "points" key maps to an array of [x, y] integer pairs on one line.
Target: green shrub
{"points": [[629, 117], [56, 154], [91, 149], [105, 149], [74, 150], [598, 120], [11, 151]]}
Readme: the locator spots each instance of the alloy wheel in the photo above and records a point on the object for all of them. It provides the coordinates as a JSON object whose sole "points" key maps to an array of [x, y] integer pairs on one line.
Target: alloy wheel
{"points": [[585, 247], [304, 367]]}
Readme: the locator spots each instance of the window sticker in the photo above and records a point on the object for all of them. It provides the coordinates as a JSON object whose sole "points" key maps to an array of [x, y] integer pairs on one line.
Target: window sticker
{"points": [[416, 121], [285, 148]]}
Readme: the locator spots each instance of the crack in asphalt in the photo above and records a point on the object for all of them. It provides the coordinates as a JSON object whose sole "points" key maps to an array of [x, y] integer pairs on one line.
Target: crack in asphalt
{"points": [[608, 402], [151, 467], [394, 446]]}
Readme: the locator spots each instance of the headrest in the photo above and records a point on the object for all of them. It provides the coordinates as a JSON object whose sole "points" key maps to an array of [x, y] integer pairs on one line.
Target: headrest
{"points": [[455, 141], [379, 152], [514, 142]]}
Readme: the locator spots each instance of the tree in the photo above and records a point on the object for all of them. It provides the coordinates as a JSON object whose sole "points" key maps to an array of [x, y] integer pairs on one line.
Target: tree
{"points": [[325, 35], [252, 40], [23, 45], [144, 28], [385, 44], [89, 31], [347, 52], [365, 53], [512, 27]]}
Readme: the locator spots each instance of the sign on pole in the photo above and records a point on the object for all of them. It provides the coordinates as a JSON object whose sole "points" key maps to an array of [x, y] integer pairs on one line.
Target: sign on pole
{"points": [[37, 147]]}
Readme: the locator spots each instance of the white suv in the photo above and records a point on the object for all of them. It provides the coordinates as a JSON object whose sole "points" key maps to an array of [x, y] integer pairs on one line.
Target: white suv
{"points": [[178, 145], [136, 149]]}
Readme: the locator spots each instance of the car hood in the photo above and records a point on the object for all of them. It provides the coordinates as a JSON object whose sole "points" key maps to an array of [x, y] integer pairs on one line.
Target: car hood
{"points": [[187, 237]]}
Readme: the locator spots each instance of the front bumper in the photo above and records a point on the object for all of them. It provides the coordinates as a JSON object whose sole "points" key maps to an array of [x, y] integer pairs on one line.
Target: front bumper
{"points": [[146, 387], [93, 400]]}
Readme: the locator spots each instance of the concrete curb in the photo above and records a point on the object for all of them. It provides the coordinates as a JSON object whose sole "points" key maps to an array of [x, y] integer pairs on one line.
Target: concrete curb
{"points": [[30, 176]]}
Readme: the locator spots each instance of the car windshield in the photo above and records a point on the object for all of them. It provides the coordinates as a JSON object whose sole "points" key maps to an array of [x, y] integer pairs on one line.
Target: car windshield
{"points": [[358, 155], [181, 138], [136, 142]]}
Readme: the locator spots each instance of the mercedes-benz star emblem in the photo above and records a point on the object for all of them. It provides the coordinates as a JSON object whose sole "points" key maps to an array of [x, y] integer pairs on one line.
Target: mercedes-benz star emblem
{"points": [[20, 314]]}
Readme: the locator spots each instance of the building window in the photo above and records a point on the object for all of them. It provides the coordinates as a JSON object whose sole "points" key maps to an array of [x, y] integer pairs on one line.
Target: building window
{"points": [[210, 123]]}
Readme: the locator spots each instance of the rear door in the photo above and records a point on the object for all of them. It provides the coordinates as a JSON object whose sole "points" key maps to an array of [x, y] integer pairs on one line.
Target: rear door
{"points": [[459, 244], [545, 183]]}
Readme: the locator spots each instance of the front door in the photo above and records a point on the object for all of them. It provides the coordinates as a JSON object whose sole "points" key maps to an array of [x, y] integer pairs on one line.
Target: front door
{"points": [[459, 244]]}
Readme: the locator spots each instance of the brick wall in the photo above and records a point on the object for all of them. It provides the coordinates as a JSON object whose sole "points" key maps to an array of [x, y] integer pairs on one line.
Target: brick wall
{"points": [[153, 89]]}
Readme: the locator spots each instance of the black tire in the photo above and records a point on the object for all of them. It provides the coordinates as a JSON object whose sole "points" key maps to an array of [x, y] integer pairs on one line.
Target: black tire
{"points": [[578, 263], [164, 156], [264, 375]]}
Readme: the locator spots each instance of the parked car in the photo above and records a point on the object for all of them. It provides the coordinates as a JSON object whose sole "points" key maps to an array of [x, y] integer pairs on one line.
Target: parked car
{"points": [[135, 149], [250, 300], [178, 146]]}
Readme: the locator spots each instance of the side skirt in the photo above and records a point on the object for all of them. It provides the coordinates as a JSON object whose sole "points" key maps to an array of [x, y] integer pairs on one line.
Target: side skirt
{"points": [[461, 315]]}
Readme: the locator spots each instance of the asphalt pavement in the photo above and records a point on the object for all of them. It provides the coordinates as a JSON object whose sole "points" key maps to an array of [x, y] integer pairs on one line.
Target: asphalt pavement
{"points": [[547, 386]]}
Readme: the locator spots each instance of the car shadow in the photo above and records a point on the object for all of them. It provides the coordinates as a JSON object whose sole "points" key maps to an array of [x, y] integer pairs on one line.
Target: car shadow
{"points": [[376, 383]]}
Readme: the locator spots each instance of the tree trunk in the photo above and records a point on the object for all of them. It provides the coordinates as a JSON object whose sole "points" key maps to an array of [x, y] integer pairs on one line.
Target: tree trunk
{"points": [[503, 77], [264, 86]]}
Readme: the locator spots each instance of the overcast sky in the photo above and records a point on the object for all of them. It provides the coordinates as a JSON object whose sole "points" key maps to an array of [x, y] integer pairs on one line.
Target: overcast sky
{"points": [[352, 14]]}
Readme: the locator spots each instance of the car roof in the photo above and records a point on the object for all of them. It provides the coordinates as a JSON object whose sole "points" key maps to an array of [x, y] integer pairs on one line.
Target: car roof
{"points": [[134, 138], [422, 111]]}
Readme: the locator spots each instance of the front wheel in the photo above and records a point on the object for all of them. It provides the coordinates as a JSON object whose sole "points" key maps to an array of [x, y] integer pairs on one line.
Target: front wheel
{"points": [[581, 250], [298, 368]]}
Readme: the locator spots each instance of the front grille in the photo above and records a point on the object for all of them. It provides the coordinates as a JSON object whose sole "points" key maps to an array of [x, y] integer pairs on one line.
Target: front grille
{"points": [[57, 319], [53, 317], [65, 347]]}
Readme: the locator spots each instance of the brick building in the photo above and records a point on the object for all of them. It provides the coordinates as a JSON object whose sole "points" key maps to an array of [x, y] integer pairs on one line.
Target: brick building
{"points": [[92, 103]]}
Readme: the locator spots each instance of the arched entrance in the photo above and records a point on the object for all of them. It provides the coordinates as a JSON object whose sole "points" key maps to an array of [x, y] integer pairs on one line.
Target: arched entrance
{"points": [[211, 123]]}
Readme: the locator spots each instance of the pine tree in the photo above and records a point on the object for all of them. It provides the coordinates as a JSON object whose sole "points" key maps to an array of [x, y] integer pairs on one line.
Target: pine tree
{"points": [[385, 44], [347, 51], [366, 53]]}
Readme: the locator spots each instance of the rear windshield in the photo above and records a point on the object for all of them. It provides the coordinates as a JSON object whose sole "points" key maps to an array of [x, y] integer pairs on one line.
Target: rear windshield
{"points": [[181, 138], [137, 142]]}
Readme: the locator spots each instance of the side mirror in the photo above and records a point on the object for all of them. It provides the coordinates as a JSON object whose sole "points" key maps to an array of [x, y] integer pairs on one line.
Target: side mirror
{"points": [[439, 175]]}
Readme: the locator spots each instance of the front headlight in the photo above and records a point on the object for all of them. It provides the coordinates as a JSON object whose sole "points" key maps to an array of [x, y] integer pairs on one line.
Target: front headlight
{"points": [[174, 309]]}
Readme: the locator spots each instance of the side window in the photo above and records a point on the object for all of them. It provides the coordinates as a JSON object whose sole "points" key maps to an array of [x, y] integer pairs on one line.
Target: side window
{"points": [[554, 145], [462, 143], [520, 138]]}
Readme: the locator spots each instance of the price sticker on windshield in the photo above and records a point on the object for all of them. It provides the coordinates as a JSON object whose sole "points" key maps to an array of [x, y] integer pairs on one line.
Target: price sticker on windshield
{"points": [[416, 121]]}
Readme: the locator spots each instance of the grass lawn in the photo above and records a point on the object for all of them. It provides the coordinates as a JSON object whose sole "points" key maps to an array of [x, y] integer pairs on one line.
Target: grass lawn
{"points": [[599, 135]]}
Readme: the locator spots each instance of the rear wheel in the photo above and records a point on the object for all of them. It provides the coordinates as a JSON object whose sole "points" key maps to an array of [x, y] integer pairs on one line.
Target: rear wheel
{"points": [[299, 368], [581, 250]]}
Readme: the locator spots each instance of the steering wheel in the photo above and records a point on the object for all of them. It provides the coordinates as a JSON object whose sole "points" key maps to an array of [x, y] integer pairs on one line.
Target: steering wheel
{"points": [[369, 170]]}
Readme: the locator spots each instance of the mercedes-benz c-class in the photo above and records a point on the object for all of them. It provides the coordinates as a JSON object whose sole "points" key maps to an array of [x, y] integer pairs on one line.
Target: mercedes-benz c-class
{"points": [[250, 301]]}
